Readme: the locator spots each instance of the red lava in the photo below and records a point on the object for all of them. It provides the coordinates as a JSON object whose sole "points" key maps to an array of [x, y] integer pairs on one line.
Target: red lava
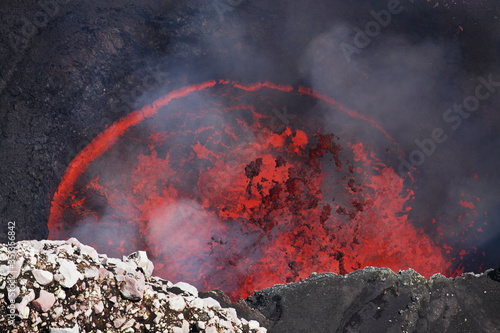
{"points": [[220, 200]]}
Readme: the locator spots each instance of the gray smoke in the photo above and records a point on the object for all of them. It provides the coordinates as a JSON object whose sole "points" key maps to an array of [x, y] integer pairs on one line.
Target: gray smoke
{"points": [[405, 75]]}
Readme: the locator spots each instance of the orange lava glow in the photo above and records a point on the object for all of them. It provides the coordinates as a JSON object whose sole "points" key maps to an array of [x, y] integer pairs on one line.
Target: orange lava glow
{"points": [[220, 200]]}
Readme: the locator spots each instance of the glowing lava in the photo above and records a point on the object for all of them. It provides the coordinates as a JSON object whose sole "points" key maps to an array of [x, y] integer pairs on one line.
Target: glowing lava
{"points": [[221, 200]]}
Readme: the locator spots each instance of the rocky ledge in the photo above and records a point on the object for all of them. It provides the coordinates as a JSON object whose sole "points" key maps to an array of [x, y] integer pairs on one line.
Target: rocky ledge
{"points": [[66, 287], [379, 300]]}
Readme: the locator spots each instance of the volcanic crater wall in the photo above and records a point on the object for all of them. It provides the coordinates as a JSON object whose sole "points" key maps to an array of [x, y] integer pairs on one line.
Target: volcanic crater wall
{"points": [[69, 69]]}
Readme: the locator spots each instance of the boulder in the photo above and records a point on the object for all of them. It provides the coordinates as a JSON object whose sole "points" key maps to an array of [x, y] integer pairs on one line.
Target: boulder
{"points": [[69, 272], [44, 302], [42, 277]]}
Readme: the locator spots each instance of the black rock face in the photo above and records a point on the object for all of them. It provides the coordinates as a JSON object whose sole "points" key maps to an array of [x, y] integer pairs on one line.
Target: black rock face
{"points": [[378, 300], [494, 274]]}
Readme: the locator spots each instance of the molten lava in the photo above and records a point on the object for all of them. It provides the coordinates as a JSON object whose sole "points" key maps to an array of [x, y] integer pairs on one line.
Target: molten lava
{"points": [[221, 199]]}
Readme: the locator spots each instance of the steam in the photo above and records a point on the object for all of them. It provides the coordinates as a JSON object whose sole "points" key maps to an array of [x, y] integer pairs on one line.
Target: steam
{"points": [[188, 237], [403, 81], [406, 86]]}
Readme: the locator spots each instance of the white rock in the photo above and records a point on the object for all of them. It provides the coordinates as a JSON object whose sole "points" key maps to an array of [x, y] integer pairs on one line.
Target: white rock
{"points": [[142, 261], [185, 326], [16, 270], [44, 302], [225, 324], [33, 244], [65, 249], [91, 273], [132, 287], [158, 317], [232, 314], [51, 258], [118, 322], [12, 295], [51, 243], [211, 329], [26, 268], [90, 252], [29, 297], [197, 303], [23, 310], [99, 307], [168, 284], [183, 329], [4, 270], [75, 329], [149, 292], [156, 303], [73, 241], [42, 277], [253, 324], [32, 260], [58, 311], [22, 307], [186, 288], [111, 261], [128, 324], [61, 294], [125, 267], [103, 273], [209, 302], [70, 274], [176, 303]]}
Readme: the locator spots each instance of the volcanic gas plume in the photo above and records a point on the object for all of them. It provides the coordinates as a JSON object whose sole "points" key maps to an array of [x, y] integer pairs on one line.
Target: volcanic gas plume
{"points": [[222, 193]]}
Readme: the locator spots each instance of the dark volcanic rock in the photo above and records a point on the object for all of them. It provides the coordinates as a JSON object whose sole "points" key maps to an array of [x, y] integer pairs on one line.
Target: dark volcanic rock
{"points": [[378, 300], [495, 274]]}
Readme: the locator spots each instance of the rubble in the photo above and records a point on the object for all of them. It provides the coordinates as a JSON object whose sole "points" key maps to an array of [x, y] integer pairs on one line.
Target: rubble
{"points": [[44, 302], [67, 287], [380, 300], [43, 277]]}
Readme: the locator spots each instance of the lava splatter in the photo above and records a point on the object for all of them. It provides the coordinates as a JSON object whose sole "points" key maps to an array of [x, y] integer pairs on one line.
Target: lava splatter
{"points": [[218, 199]]}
